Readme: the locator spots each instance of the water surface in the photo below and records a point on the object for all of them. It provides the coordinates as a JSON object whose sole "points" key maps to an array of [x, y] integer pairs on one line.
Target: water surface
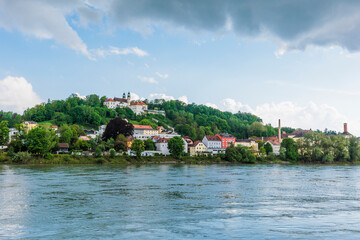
{"points": [[180, 202]]}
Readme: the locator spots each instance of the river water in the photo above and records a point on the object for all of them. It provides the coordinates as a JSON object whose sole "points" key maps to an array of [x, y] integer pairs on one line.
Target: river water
{"points": [[180, 202]]}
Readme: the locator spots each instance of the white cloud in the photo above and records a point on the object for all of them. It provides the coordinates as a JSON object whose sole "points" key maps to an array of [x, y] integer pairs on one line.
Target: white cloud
{"points": [[306, 116], [117, 51], [43, 20], [211, 105], [184, 99], [147, 79], [163, 76], [153, 96], [17, 94]]}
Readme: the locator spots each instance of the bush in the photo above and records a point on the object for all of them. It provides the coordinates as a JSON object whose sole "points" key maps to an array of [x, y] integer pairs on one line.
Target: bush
{"points": [[112, 153], [66, 158], [97, 152], [21, 157], [101, 161], [48, 156], [3, 158]]}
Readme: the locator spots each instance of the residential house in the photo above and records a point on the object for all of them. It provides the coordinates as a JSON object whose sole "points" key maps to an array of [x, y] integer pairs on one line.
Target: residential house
{"points": [[138, 107], [162, 145], [84, 138], [12, 133], [252, 144], [63, 148], [91, 133], [226, 139], [275, 144], [198, 148], [144, 132], [213, 144], [29, 125]]}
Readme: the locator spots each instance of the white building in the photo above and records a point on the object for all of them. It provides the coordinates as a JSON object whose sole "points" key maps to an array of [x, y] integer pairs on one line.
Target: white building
{"points": [[12, 133], [118, 102], [252, 144], [162, 145], [213, 144], [138, 107], [275, 146]]}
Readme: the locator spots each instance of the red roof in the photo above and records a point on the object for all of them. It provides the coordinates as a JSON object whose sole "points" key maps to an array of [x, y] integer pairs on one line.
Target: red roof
{"points": [[274, 142], [137, 103], [146, 127], [195, 143], [109, 100], [212, 138]]}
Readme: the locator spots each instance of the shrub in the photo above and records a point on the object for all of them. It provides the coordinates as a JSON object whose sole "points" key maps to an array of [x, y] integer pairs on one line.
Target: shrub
{"points": [[21, 157], [112, 153], [49, 156], [97, 152]]}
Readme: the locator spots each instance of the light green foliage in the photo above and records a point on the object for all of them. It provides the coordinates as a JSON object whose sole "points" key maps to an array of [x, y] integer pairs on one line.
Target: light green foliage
{"points": [[112, 153], [176, 146], [257, 129], [354, 152], [21, 157], [148, 122], [138, 147], [239, 154], [4, 132]]}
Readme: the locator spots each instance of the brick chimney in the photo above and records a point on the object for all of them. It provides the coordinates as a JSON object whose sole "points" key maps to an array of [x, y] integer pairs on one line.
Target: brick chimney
{"points": [[345, 128], [279, 132]]}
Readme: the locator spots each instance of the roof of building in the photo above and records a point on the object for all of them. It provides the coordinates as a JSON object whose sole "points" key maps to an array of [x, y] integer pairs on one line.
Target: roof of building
{"points": [[138, 103], [63, 145], [84, 138], [225, 135], [213, 138], [273, 142], [122, 100], [54, 126], [30, 122], [109, 100], [163, 140], [346, 133], [296, 133], [145, 127], [195, 143], [244, 140]]}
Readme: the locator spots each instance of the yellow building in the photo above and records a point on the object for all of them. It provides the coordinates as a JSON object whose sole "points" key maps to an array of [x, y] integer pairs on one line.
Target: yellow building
{"points": [[29, 125], [198, 148]]}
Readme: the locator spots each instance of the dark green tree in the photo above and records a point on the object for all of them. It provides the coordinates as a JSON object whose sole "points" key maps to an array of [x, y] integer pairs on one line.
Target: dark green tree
{"points": [[176, 147], [138, 147]]}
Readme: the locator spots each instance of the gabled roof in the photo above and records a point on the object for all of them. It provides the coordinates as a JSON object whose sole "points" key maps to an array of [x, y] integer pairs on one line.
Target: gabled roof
{"points": [[63, 145], [274, 142], [138, 103], [144, 127], [213, 138], [195, 143], [84, 138], [109, 100], [122, 100], [225, 135], [244, 140]]}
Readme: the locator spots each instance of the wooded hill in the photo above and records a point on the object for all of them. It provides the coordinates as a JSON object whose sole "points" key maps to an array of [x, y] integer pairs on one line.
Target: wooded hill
{"points": [[191, 120]]}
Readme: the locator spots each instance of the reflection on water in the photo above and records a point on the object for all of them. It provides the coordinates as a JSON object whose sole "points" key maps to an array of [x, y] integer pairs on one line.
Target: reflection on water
{"points": [[179, 202]]}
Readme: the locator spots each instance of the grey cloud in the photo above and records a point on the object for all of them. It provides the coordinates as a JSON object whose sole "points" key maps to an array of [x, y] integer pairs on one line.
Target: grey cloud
{"points": [[294, 23]]}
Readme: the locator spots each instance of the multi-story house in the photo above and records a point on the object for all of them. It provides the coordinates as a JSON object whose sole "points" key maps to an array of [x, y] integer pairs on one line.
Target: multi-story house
{"points": [[144, 132], [252, 144], [198, 148], [138, 107], [226, 139], [29, 125], [118, 102], [212, 142]]}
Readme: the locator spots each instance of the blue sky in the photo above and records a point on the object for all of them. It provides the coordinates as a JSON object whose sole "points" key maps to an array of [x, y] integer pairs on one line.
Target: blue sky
{"points": [[294, 60]]}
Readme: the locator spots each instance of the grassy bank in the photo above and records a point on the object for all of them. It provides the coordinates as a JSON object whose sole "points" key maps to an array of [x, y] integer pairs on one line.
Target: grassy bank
{"points": [[131, 160]]}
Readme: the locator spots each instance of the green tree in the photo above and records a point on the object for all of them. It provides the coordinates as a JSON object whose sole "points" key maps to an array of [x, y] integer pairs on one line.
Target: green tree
{"points": [[268, 148], [291, 149], [4, 132], [256, 129], [354, 149], [36, 141], [176, 146], [149, 145], [138, 147], [120, 143]]}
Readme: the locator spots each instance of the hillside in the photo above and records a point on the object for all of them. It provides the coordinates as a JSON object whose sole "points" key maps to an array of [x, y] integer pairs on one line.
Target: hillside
{"points": [[187, 119]]}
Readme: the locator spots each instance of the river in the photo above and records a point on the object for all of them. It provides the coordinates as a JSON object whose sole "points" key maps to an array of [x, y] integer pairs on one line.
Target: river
{"points": [[180, 202]]}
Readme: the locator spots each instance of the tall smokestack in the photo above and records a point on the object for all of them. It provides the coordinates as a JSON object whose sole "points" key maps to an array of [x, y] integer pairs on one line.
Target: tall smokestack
{"points": [[279, 132], [345, 128]]}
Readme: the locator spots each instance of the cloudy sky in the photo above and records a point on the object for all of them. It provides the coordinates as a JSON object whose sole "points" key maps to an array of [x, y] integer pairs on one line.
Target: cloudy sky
{"points": [[294, 60]]}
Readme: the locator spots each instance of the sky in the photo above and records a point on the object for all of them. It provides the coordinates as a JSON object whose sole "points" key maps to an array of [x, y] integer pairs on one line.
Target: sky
{"points": [[297, 60]]}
